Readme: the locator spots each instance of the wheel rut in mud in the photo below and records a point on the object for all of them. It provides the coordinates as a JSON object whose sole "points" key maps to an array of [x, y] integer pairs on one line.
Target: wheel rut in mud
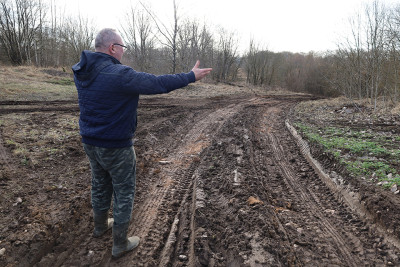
{"points": [[221, 182], [7, 107]]}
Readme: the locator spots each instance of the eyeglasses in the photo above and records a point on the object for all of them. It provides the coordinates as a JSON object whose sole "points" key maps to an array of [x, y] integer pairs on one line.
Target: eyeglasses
{"points": [[123, 46]]}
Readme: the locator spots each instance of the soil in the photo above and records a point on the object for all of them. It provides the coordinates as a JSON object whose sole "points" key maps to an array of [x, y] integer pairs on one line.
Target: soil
{"points": [[222, 181]]}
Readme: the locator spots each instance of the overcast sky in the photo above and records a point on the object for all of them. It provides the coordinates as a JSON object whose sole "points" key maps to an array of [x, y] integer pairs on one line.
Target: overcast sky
{"points": [[278, 25]]}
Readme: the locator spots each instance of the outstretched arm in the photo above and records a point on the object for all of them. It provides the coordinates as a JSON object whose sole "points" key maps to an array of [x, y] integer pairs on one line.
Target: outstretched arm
{"points": [[200, 73]]}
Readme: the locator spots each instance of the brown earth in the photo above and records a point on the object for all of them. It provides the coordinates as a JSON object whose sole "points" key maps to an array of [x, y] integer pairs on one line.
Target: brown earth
{"points": [[221, 182]]}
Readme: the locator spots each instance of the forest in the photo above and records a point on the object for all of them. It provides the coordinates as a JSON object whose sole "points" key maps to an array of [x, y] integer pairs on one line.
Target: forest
{"points": [[365, 65]]}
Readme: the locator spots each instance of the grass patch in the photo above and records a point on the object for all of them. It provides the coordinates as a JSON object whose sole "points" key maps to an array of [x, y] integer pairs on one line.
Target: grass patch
{"points": [[30, 83], [64, 81], [364, 153]]}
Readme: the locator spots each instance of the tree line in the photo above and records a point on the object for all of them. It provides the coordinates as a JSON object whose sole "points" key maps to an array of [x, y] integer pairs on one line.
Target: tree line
{"points": [[365, 64], [38, 32]]}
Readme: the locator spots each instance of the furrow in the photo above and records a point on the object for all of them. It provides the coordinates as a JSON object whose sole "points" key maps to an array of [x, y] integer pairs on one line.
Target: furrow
{"points": [[313, 207], [351, 199]]}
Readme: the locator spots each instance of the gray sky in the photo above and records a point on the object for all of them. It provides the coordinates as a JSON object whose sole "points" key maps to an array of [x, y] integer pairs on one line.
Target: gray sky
{"points": [[278, 25]]}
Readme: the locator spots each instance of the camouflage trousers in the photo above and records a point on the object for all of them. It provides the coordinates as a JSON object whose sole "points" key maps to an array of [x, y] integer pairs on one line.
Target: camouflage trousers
{"points": [[113, 173]]}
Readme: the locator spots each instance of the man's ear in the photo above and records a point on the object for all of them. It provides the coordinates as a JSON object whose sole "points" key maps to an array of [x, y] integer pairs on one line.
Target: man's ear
{"points": [[111, 49]]}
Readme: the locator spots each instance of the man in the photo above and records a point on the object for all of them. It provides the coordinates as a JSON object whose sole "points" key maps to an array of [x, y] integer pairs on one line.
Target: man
{"points": [[108, 95]]}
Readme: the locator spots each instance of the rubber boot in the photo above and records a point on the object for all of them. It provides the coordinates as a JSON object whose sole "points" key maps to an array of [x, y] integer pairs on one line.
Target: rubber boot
{"points": [[101, 223], [121, 243]]}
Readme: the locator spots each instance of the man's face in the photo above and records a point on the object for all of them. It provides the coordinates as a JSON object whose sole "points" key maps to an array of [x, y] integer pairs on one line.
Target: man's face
{"points": [[118, 49]]}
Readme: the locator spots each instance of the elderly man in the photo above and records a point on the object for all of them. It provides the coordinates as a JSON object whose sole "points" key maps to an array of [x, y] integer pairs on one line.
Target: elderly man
{"points": [[108, 98]]}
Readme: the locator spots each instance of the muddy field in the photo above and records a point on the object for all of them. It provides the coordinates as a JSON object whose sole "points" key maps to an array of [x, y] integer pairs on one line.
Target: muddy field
{"points": [[222, 181]]}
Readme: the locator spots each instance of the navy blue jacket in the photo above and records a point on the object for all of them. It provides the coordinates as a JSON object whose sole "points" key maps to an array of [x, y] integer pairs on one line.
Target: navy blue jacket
{"points": [[108, 95]]}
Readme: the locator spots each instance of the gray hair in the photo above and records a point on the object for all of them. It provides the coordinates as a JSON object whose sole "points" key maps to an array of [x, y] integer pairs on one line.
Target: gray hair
{"points": [[106, 37]]}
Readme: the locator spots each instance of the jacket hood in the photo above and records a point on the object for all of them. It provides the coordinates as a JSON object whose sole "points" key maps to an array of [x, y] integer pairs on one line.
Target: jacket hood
{"points": [[90, 65]]}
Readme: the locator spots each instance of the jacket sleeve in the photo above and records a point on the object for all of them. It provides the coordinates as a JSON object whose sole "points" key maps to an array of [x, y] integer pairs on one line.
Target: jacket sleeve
{"points": [[148, 84]]}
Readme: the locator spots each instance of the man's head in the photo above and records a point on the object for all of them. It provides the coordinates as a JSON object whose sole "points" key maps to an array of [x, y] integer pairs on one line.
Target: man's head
{"points": [[108, 41]]}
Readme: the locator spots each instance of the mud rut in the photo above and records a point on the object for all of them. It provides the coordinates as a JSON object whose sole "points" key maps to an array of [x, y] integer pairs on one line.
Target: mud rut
{"points": [[222, 182]]}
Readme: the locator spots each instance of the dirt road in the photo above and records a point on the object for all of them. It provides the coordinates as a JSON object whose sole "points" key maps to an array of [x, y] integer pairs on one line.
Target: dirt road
{"points": [[221, 182]]}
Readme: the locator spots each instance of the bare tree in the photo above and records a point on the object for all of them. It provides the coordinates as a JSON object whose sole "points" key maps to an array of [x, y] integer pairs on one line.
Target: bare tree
{"points": [[51, 46], [393, 39], [169, 34], [194, 42], [295, 72], [78, 35], [260, 65], [364, 62], [254, 64], [19, 21], [226, 61], [375, 34], [188, 43], [39, 41], [206, 46], [140, 38]]}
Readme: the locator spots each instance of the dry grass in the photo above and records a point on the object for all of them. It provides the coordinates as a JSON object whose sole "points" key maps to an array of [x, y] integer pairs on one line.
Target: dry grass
{"points": [[383, 107], [32, 142], [211, 90], [395, 109], [30, 83]]}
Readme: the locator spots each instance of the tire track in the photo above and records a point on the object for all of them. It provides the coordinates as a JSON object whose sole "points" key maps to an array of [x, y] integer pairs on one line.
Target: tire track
{"points": [[339, 224], [152, 216], [307, 196], [193, 206], [351, 198], [7, 107], [146, 218], [299, 221], [220, 212]]}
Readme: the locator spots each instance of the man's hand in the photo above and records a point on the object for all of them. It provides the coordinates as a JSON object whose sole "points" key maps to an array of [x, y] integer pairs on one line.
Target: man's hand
{"points": [[200, 73]]}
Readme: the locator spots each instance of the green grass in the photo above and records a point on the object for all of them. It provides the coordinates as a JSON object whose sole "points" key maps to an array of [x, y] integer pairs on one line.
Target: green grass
{"points": [[364, 153]]}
